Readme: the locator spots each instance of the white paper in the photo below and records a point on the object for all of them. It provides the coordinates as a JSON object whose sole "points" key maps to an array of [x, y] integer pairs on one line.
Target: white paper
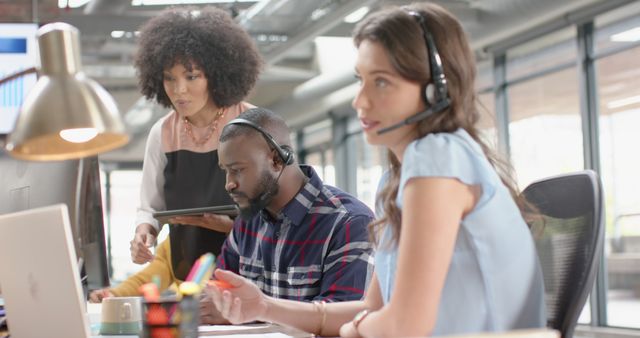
{"points": [[221, 328], [240, 331], [255, 335], [93, 308]]}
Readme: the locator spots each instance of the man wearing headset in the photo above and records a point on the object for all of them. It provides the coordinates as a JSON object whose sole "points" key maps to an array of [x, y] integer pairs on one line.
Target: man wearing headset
{"points": [[295, 238]]}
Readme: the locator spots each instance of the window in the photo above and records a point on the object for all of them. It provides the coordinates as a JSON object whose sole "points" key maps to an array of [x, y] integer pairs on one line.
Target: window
{"points": [[484, 76], [316, 150], [619, 94], [316, 134], [323, 163], [486, 103], [487, 123], [124, 197], [542, 54], [618, 29], [545, 130], [371, 163], [617, 44]]}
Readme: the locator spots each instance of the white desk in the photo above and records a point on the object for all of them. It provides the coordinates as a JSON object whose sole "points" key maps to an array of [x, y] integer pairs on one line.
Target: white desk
{"points": [[528, 333], [257, 330], [265, 330]]}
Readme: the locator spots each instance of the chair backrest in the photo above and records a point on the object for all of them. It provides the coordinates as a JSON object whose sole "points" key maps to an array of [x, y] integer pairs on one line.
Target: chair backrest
{"points": [[569, 236]]}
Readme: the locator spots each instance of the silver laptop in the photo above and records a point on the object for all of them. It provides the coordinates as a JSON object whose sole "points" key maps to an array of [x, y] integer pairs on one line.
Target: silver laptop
{"points": [[39, 275]]}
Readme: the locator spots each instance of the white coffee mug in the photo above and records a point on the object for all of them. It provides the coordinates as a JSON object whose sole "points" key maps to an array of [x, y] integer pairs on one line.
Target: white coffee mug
{"points": [[121, 315]]}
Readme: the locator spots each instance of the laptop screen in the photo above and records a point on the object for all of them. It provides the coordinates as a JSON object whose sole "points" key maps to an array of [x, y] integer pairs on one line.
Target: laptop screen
{"points": [[18, 51]]}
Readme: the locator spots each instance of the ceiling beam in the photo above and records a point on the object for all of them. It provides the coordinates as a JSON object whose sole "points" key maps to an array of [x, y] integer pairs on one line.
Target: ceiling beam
{"points": [[106, 6], [315, 29], [103, 24]]}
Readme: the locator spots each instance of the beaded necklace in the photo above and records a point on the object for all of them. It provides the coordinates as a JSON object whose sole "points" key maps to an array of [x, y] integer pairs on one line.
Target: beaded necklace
{"points": [[210, 130]]}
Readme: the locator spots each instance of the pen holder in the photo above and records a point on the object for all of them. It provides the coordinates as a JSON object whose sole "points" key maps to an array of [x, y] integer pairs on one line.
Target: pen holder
{"points": [[170, 318]]}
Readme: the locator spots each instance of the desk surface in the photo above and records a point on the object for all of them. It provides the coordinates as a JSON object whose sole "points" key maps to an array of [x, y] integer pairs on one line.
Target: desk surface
{"points": [[525, 333], [265, 330], [273, 330], [94, 312]]}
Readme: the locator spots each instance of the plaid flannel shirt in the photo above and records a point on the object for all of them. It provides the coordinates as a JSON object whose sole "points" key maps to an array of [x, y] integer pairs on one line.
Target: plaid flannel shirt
{"points": [[317, 248]]}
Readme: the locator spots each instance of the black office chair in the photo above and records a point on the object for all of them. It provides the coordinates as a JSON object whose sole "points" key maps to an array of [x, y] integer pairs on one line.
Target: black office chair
{"points": [[569, 235]]}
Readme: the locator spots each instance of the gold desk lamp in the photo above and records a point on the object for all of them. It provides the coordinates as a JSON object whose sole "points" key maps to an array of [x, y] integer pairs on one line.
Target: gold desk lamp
{"points": [[66, 115]]}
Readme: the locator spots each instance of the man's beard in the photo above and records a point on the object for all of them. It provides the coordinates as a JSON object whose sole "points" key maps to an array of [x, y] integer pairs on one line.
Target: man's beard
{"points": [[268, 187]]}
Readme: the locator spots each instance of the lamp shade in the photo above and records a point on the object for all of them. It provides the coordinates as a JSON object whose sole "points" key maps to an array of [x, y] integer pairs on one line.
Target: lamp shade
{"points": [[66, 115]]}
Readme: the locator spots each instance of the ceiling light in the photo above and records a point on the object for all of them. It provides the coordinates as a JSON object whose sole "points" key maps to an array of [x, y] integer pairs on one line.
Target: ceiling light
{"points": [[630, 35], [356, 15], [182, 2], [71, 3], [117, 34], [623, 102], [319, 13]]}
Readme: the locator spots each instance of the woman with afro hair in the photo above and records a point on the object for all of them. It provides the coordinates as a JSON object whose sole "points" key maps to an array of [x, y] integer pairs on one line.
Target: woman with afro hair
{"points": [[202, 64]]}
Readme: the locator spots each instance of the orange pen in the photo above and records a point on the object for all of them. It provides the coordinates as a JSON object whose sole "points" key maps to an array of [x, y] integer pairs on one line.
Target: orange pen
{"points": [[220, 284]]}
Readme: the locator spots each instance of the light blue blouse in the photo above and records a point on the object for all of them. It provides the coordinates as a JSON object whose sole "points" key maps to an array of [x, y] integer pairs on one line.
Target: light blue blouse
{"points": [[494, 282]]}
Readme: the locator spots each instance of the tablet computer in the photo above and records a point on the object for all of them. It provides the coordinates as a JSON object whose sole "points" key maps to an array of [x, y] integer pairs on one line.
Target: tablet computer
{"points": [[164, 216]]}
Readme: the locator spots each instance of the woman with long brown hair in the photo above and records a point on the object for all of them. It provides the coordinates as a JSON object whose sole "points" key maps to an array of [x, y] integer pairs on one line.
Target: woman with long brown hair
{"points": [[454, 254]]}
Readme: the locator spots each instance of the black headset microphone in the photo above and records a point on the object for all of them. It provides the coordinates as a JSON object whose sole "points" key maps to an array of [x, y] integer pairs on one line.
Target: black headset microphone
{"points": [[435, 93], [263, 200], [436, 108]]}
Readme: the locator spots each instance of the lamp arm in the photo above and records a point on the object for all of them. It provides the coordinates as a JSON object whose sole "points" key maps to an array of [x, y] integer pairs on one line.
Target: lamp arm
{"points": [[18, 74]]}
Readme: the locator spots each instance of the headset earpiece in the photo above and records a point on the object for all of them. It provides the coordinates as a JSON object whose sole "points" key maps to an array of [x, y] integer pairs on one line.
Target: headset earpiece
{"points": [[435, 91], [287, 155], [284, 159], [430, 94]]}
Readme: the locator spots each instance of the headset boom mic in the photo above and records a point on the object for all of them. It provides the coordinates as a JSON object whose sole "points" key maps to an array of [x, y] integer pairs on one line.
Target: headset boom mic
{"points": [[436, 108]]}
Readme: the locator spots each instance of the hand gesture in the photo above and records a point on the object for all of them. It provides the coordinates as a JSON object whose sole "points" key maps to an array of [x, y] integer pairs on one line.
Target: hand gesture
{"points": [[348, 330], [242, 302], [96, 296], [209, 314], [144, 238], [220, 223]]}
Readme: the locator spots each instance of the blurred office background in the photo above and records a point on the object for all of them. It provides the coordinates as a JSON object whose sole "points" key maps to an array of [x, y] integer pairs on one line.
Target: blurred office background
{"points": [[559, 81]]}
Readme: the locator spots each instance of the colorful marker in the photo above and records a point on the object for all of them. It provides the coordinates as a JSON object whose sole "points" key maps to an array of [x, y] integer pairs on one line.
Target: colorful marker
{"points": [[221, 284]]}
